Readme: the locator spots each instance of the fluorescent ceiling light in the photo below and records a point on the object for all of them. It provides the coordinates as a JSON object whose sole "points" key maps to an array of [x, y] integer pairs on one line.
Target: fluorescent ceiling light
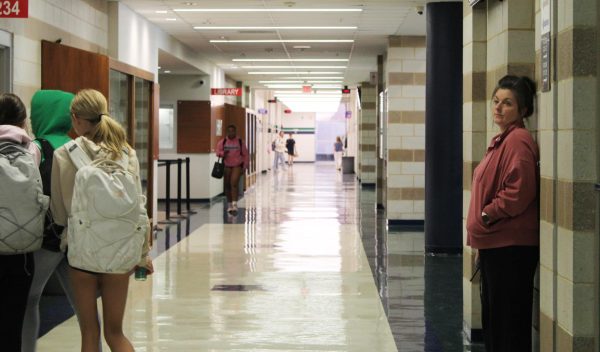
{"points": [[271, 27], [291, 60], [339, 77], [292, 73], [280, 81], [268, 10], [294, 66], [161, 11], [299, 92], [283, 41], [323, 81], [301, 46], [167, 71], [296, 86], [170, 19]]}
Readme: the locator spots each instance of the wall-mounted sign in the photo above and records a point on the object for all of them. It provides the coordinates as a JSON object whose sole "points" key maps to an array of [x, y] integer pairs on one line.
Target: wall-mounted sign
{"points": [[14, 9], [274, 100], [287, 111], [348, 114], [546, 44], [263, 111], [306, 89], [226, 91], [345, 90]]}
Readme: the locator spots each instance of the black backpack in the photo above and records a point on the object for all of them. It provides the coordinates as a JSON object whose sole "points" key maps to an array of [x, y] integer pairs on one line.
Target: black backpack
{"points": [[52, 231]]}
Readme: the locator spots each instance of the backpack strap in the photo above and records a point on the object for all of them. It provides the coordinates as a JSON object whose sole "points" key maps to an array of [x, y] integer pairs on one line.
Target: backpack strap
{"points": [[241, 149], [47, 149], [77, 155]]}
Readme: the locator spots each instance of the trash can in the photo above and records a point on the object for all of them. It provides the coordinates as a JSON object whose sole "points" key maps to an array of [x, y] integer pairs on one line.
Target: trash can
{"points": [[348, 164]]}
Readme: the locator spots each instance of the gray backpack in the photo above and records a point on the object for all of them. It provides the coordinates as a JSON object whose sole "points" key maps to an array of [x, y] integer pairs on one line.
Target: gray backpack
{"points": [[23, 204]]}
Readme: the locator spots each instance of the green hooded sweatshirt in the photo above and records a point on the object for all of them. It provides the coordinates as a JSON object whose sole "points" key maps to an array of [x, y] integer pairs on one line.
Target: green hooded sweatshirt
{"points": [[51, 116]]}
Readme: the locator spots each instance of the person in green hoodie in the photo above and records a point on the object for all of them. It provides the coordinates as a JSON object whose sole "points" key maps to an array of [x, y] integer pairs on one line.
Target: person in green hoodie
{"points": [[50, 121]]}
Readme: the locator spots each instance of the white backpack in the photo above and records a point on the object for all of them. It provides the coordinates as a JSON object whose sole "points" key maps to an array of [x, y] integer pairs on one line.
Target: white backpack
{"points": [[108, 221], [23, 204]]}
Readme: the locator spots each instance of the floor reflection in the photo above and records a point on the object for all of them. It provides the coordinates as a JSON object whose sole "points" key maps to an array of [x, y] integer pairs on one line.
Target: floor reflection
{"points": [[300, 221]]}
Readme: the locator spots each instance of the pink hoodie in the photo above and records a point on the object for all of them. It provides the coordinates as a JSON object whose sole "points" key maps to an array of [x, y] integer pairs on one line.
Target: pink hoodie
{"points": [[18, 135], [229, 150]]}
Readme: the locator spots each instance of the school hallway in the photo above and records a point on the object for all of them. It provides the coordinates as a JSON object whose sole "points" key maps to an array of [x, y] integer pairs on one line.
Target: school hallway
{"points": [[306, 265]]}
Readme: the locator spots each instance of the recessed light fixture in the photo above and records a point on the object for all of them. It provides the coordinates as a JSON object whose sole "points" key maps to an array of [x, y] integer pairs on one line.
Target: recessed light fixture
{"points": [[267, 10], [292, 73], [285, 41], [301, 46], [170, 19], [288, 67], [270, 28], [167, 71], [290, 60], [161, 11]]}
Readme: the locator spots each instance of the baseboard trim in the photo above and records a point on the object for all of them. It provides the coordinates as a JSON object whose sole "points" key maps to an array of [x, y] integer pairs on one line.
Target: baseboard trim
{"points": [[406, 225]]}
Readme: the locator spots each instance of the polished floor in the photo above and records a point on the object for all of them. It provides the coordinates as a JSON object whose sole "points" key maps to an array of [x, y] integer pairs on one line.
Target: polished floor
{"points": [[308, 264]]}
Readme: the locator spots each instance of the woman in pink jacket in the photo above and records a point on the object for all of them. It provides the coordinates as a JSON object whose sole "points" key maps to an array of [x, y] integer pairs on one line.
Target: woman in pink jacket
{"points": [[503, 222], [235, 157]]}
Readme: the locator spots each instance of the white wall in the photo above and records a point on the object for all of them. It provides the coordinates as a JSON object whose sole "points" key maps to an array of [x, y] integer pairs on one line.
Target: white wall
{"points": [[76, 23]]}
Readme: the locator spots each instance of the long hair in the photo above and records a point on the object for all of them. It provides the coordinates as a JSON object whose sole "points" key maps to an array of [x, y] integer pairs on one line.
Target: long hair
{"points": [[12, 110], [524, 90], [91, 105]]}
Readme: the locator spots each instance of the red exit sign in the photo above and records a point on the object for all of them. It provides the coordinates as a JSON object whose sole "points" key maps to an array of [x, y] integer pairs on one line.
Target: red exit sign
{"points": [[226, 91], [14, 9]]}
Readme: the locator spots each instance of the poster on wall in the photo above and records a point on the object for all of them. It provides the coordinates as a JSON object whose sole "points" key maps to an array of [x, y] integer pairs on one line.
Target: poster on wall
{"points": [[219, 127]]}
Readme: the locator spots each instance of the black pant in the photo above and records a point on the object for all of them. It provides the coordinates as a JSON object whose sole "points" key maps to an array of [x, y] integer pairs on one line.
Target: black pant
{"points": [[16, 274], [507, 297]]}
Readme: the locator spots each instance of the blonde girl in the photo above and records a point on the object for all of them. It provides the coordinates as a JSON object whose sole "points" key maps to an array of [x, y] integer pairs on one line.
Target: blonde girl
{"points": [[100, 135]]}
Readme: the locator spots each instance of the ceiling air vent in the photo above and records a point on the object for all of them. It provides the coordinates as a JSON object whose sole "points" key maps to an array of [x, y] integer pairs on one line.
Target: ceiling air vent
{"points": [[256, 32]]}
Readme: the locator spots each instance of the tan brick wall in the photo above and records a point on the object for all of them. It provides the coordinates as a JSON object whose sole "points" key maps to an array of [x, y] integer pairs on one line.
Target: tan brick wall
{"points": [[367, 135], [406, 128], [568, 139]]}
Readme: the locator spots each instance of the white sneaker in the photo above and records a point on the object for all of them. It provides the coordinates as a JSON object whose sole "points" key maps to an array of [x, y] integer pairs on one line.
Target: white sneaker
{"points": [[234, 208]]}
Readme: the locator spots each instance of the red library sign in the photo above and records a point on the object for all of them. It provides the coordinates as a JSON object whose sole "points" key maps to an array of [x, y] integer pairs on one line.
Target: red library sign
{"points": [[14, 9], [226, 91]]}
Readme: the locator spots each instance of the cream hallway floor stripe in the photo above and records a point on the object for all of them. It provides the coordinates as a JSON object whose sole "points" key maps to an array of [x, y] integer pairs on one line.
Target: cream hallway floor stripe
{"points": [[317, 294]]}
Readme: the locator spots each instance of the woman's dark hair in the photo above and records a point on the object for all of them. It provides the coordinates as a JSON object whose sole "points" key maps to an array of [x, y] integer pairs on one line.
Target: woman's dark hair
{"points": [[12, 110], [524, 90], [232, 126]]}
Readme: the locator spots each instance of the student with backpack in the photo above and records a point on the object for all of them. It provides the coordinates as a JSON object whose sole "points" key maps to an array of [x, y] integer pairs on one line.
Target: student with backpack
{"points": [[235, 158], [22, 210], [97, 195], [51, 121]]}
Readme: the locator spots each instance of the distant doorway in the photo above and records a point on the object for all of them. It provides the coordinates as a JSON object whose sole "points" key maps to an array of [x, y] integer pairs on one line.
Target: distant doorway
{"points": [[326, 133], [6, 39]]}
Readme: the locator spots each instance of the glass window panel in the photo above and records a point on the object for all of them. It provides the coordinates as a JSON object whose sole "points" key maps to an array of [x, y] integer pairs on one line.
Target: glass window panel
{"points": [[119, 98], [142, 119], [165, 129]]}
